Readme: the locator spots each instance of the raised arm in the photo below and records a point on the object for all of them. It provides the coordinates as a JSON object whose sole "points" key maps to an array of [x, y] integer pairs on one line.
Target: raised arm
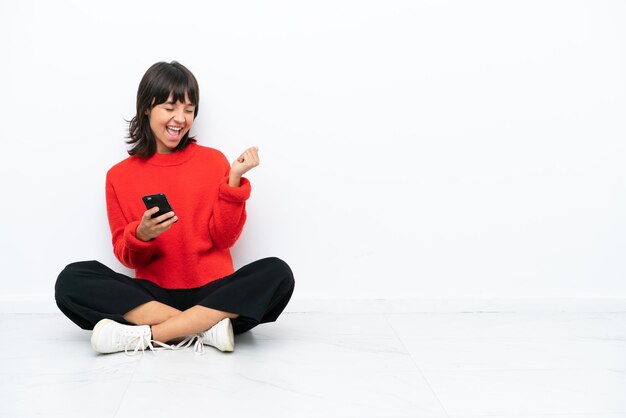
{"points": [[229, 213]]}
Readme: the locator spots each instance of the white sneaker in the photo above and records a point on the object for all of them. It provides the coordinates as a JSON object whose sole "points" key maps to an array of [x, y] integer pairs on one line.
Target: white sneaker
{"points": [[219, 336], [110, 337]]}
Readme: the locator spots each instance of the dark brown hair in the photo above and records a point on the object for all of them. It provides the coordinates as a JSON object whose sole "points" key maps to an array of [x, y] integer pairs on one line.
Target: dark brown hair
{"points": [[161, 80]]}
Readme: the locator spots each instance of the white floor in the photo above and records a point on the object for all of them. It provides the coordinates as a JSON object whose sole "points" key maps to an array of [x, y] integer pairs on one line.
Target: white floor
{"points": [[330, 365]]}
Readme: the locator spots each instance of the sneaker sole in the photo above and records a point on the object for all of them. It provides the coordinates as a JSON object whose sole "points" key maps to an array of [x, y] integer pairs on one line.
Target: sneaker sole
{"points": [[96, 333]]}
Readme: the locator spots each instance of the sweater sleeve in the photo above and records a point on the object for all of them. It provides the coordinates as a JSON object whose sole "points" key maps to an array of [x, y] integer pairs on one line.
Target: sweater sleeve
{"points": [[129, 250], [229, 213]]}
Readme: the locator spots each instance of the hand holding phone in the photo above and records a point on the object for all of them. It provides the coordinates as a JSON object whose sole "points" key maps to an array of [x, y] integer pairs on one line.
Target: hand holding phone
{"points": [[157, 219], [157, 200]]}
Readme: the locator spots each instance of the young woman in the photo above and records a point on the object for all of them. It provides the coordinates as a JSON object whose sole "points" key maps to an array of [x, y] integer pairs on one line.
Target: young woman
{"points": [[186, 287]]}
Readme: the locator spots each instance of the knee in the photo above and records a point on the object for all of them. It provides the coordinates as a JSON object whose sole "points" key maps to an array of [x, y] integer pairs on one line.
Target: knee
{"points": [[283, 270], [65, 280], [70, 275]]}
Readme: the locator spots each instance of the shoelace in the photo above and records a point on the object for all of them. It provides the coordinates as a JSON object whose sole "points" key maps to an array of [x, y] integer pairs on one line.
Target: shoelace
{"points": [[195, 339], [142, 341]]}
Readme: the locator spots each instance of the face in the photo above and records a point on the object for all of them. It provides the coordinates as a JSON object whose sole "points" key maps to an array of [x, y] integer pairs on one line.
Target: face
{"points": [[169, 122]]}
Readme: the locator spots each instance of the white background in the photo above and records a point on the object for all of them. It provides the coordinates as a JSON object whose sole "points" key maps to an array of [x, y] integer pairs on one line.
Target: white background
{"points": [[417, 149]]}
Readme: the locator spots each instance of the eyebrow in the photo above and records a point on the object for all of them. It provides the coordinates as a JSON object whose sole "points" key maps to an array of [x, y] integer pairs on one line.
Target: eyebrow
{"points": [[169, 102]]}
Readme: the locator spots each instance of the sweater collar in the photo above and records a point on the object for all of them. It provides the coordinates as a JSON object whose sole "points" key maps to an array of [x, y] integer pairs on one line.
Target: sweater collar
{"points": [[175, 158]]}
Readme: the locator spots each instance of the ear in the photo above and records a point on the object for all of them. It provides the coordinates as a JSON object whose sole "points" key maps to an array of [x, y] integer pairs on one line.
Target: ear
{"points": [[147, 112]]}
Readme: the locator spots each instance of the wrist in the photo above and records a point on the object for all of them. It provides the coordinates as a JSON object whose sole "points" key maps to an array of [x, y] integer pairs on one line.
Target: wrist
{"points": [[234, 180]]}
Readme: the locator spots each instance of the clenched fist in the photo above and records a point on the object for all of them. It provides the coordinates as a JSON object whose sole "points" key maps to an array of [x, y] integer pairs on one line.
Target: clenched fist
{"points": [[246, 162]]}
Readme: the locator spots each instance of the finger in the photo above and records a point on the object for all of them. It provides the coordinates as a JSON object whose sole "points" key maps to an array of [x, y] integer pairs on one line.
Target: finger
{"points": [[164, 217], [147, 215], [164, 226], [255, 155], [251, 158], [245, 158], [250, 154], [245, 155]]}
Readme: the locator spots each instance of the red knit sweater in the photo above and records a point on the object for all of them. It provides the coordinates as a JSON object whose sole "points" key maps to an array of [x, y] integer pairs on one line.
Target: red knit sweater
{"points": [[211, 215]]}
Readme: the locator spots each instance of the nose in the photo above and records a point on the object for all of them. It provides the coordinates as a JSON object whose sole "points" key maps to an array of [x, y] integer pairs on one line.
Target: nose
{"points": [[179, 116]]}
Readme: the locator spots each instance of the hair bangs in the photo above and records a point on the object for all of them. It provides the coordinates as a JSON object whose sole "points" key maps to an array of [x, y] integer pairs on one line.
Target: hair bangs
{"points": [[177, 83]]}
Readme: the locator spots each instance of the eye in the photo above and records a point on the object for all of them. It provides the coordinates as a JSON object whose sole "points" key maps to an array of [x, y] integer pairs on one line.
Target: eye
{"points": [[169, 109], [189, 111]]}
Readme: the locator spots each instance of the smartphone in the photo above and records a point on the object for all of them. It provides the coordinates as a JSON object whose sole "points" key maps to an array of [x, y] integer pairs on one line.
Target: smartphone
{"points": [[159, 200]]}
